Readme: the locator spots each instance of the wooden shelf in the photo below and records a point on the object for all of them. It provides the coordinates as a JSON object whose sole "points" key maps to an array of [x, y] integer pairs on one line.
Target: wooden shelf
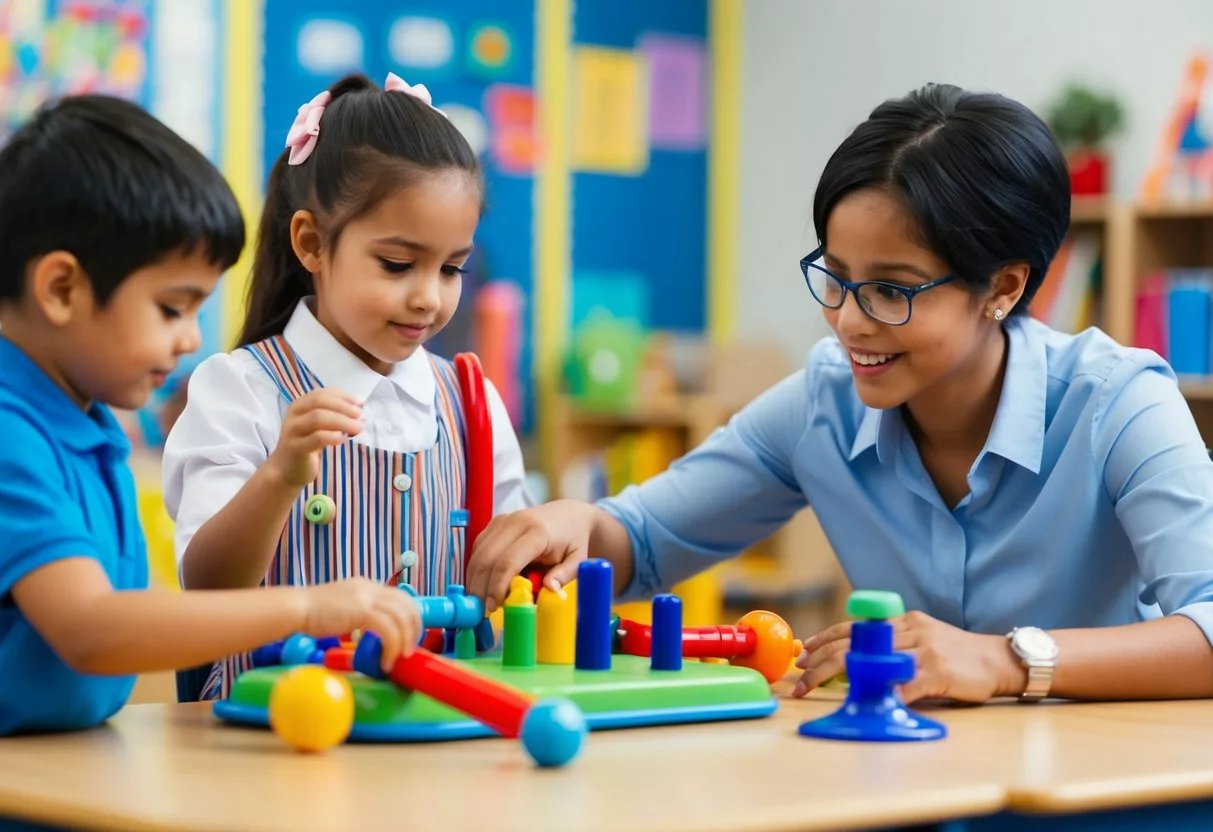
{"points": [[1197, 390], [1201, 209], [1147, 238], [669, 411]]}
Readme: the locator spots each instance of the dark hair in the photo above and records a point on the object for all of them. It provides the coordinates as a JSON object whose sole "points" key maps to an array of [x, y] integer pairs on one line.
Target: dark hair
{"points": [[982, 176], [370, 144], [102, 179]]}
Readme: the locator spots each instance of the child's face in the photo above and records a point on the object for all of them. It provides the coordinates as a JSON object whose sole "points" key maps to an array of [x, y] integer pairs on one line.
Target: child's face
{"points": [[869, 237], [118, 353], [395, 277]]}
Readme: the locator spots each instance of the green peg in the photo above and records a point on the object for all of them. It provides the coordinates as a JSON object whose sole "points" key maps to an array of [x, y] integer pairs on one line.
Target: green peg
{"points": [[874, 605]]}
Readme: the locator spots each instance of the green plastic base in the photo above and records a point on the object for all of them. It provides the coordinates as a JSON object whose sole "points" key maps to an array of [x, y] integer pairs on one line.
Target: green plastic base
{"points": [[627, 695]]}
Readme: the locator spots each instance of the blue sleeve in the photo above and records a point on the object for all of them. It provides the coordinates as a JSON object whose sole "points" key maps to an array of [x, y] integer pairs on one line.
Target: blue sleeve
{"points": [[40, 522], [732, 491], [1157, 472]]}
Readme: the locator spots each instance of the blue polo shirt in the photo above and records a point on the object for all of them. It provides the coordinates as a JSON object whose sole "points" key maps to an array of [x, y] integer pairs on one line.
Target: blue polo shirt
{"points": [[65, 491]]}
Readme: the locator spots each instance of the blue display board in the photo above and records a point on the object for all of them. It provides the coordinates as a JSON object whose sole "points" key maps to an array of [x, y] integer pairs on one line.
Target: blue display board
{"points": [[477, 55], [648, 228]]}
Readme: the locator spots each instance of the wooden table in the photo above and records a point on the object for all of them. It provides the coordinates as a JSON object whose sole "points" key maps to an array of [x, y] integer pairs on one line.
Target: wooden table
{"points": [[172, 767]]}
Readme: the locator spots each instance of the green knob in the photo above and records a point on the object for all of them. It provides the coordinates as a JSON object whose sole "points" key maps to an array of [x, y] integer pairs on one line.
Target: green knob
{"points": [[874, 605], [320, 510]]}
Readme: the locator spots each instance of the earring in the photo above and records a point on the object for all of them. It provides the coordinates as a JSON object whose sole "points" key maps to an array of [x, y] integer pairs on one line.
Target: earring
{"points": [[997, 314]]}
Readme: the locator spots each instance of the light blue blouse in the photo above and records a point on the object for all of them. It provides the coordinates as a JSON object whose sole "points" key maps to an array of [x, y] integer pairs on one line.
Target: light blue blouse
{"points": [[1091, 503]]}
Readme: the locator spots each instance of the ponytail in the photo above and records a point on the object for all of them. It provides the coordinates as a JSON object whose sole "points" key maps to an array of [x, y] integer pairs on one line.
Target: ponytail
{"points": [[279, 279]]}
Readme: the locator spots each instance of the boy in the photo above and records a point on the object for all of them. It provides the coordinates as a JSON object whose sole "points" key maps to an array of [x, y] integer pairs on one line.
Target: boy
{"points": [[113, 231]]}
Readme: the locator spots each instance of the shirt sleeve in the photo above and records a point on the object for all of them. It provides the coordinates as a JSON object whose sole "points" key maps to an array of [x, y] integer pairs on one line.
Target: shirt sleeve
{"points": [[1157, 472], [227, 429], [40, 525], [732, 491], [509, 470]]}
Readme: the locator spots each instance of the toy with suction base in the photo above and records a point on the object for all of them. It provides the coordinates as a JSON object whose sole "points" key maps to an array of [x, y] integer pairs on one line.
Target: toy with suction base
{"points": [[873, 712]]}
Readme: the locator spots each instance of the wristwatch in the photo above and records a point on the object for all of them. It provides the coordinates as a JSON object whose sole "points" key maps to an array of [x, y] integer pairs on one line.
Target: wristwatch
{"points": [[1037, 651]]}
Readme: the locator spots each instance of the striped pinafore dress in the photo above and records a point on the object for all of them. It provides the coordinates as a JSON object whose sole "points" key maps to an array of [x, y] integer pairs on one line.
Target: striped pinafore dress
{"points": [[392, 509]]}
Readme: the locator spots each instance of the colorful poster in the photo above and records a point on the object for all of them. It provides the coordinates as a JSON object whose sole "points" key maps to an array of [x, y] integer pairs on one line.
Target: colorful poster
{"points": [[511, 111], [610, 111], [677, 91], [49, 49]]}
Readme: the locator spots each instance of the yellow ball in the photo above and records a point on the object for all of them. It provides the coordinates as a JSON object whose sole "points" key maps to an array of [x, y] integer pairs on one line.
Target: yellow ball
{"points": [[311, 708]]}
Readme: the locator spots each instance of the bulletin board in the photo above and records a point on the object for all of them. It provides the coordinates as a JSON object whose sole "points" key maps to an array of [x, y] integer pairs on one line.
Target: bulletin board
{"points": [[639, 158], [50, 48], [477, 59]]}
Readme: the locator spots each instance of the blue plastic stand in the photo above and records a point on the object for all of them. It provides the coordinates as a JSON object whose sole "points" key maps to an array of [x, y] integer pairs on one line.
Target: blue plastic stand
{"points": [[873, 712]]}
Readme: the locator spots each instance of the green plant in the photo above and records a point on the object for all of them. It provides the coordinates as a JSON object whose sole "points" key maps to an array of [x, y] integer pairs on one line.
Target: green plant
{"points": [[1083, 118]]}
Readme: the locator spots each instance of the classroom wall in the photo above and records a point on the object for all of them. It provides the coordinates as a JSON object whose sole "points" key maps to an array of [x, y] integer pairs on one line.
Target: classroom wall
{"points": [[811, 71]]}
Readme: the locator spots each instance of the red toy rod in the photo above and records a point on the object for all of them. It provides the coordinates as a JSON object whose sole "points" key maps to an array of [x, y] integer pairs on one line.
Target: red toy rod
{"points": [[495, 705], [479, 448], [721, 642], [500, 707]]}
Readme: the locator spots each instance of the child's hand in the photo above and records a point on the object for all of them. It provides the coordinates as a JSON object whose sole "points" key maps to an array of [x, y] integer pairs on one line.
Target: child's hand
{"points": [[950, 663], [319, 419], [556, 534], [361, 604]]}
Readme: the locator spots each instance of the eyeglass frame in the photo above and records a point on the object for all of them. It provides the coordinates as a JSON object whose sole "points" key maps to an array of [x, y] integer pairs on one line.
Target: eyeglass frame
{"points": [[909, 292]]}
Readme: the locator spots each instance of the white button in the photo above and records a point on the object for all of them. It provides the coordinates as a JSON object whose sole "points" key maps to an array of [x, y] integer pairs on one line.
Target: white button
{"points": [[408, 559], [402, 482]]}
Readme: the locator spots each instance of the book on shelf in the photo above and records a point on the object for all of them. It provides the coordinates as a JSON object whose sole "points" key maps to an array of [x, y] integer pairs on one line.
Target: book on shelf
{"points": [[1174, 318], [1068, 300]]}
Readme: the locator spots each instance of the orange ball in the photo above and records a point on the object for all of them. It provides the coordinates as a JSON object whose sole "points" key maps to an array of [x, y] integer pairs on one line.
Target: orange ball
{"points": [[775, 647], [311, 708]]}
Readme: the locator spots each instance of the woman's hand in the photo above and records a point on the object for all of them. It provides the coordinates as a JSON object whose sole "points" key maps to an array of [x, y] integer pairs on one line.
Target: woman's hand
{"points": [[555, 534], [950, 663]]}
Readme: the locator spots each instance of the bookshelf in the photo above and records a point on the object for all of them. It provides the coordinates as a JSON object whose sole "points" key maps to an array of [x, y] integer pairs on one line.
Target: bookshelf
{"points": [[1149, 237]]}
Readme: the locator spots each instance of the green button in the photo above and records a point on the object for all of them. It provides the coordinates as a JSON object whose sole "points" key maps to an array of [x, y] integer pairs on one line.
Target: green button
{"points": [[320, 510], [874, 605]]}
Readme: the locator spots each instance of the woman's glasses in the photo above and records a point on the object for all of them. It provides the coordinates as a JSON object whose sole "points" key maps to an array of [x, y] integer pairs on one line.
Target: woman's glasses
{"points": [[886, 303]]}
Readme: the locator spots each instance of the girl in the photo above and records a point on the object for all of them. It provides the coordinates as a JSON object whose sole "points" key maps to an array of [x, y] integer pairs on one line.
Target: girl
{"points": [[1042, 502], [331, 443]]}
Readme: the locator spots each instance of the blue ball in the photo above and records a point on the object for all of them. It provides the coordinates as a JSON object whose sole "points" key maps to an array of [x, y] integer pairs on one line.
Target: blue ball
{"points": [[298, 650], [553, 731]]}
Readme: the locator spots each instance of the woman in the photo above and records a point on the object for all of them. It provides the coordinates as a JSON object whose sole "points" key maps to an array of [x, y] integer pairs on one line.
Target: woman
{"points": [[1043, 502]]}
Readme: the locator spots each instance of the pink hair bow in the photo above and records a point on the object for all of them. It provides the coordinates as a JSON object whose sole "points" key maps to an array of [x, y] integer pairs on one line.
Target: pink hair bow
{"points": [[395, 83], [301, 138]]}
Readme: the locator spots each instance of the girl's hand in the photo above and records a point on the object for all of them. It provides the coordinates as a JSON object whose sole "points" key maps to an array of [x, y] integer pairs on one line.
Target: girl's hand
{"points": [[322, 418], [555, 534], [361, 604], [950, 663]]}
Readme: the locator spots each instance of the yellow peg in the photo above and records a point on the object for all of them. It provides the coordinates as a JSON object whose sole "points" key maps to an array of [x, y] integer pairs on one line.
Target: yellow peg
{"points": [[557, 625]]}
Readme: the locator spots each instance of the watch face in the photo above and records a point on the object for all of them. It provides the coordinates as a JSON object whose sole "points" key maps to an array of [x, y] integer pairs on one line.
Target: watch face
{"points": [[1035, 644]]}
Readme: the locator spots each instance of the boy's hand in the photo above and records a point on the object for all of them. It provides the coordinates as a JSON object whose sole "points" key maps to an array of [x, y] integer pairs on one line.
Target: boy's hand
{"points": [[950, 663], [320, 419], [555, 534], [361, 604]]}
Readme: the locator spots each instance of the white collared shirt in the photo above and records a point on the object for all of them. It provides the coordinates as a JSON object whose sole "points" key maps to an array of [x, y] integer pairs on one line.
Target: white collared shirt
{"points": [[235, 411]]}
